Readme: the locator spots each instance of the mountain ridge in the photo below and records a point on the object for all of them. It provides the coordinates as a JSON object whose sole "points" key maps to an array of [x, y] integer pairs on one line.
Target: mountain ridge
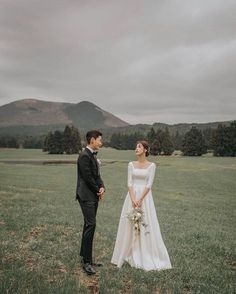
{"points": [[34, 112], [33, 117]]}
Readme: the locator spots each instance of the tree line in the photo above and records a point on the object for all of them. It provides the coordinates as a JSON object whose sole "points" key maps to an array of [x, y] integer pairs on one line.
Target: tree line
{"points": [[58, 142], [220, 141], [27, 142]]}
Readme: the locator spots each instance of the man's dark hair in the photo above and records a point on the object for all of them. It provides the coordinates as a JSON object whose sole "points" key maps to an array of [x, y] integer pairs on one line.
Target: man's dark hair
{"points": [[92, 134]]}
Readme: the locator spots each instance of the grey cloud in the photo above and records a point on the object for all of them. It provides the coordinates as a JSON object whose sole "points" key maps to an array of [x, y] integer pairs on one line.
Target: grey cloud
{"points": [[144, 61]]}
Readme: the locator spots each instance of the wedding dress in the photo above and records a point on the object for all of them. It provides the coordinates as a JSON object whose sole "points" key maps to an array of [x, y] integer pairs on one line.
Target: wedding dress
{"points": [[145, 250]]}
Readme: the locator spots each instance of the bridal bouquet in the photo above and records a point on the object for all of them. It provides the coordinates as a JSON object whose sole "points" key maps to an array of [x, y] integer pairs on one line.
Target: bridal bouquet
{"points": [[136, 216]]}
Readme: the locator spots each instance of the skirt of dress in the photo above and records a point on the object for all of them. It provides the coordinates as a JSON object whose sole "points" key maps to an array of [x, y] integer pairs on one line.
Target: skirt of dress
{"points": [[145, 250]]}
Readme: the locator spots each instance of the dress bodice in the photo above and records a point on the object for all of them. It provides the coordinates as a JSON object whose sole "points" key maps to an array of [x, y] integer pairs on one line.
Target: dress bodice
{"points": [[141, 176]]}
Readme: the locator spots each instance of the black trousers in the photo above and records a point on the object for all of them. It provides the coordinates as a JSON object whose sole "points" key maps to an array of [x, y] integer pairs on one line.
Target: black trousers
{"points": [[89, 210]]}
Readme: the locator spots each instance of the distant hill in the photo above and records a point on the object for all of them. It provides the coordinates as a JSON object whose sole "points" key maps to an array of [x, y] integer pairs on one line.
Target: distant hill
{"points": [[182, 128], [34, 116]]}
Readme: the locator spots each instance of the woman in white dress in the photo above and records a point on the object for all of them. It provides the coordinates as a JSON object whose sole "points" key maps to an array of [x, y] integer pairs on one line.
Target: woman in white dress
{"points": [[145, 250]]}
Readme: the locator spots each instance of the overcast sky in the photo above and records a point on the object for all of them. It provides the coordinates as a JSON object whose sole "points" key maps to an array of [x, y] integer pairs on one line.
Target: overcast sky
{"points": [[144, 61]]}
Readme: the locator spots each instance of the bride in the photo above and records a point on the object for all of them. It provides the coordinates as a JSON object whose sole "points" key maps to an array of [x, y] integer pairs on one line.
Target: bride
{"points": [[144, 249]]}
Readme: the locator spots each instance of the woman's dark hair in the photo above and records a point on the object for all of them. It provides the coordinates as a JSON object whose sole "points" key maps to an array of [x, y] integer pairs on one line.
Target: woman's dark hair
{"points": [[145, 145], [92, 134]]}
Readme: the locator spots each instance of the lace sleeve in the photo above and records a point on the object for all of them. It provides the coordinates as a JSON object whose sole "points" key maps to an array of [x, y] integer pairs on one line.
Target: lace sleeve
{"points": [[130, 180], [151, 175]]}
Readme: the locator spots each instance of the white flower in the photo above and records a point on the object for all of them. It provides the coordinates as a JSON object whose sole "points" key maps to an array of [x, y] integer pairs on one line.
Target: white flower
{"points": [[136, 217]]}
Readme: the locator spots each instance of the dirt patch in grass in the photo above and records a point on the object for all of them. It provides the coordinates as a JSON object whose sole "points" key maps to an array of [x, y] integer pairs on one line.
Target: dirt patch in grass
{"points": [[89, 282]]}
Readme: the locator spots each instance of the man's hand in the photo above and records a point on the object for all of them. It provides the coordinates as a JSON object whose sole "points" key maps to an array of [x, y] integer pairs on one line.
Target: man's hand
{"points": [[101, 193]]}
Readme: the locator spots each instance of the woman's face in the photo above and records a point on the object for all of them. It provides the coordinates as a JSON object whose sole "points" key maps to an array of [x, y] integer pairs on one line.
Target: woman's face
{"points": [[140, 150]]}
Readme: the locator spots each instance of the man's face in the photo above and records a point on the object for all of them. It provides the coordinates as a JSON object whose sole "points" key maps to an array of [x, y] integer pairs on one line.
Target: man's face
{"points": [[96, 143]]}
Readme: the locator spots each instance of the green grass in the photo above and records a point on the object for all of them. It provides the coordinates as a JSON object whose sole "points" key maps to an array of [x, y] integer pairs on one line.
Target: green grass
{"points": [[41, 223]]}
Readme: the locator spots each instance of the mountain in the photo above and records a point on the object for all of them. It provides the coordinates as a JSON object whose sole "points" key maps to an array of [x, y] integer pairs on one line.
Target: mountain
{"points": [[33, 112], [36, 116]]}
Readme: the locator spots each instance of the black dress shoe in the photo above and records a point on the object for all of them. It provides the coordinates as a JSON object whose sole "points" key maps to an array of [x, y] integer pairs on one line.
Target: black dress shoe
{"points": [[89, 269], [96, 264]]}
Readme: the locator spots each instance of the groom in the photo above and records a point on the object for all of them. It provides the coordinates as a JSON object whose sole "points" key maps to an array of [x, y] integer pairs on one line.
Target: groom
{"points": [[90, 189]]}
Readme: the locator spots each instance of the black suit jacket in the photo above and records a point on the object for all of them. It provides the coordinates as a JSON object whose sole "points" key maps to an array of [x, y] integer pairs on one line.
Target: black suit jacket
{"points": [[88, 177]]}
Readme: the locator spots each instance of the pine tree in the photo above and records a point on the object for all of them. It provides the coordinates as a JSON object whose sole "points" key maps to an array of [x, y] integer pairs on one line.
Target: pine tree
{"points": [[115, 141], [71, 140], [178, 140], [208, 135], [50, 142], [224, 140], [155, 147], [151, 136], [167, 144], [57, 143], [53, 143], [193, 144], [232, 140], [45, 143]]}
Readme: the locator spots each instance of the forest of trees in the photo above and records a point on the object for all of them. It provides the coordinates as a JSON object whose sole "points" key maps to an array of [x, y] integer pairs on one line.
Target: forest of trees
{"points": [[27, 142], [124, 141], [220, 141], [68, 141]]}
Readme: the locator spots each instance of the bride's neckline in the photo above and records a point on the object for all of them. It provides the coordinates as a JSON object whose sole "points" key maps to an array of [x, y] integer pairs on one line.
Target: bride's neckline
{"points": [[141, 167]]}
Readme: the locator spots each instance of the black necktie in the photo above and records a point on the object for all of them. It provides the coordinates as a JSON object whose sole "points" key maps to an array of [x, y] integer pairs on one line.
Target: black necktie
{"points": [[95, 153]]}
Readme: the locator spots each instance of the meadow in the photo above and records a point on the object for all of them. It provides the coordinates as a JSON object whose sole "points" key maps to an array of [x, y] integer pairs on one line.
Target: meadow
{"points": [[40, 225]]}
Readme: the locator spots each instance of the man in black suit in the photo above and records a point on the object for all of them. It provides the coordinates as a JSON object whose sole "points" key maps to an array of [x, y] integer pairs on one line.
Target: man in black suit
{"points": [[90, 189]]}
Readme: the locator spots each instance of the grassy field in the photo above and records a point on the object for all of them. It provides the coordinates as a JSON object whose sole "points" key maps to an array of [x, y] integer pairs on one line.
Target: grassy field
{"points": [[40, 225]]}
